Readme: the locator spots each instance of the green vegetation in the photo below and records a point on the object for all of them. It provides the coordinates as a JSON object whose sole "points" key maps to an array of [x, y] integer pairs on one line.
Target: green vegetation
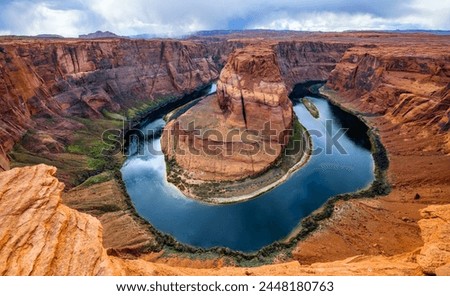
{"points": [[297, 140], [75, 149], [97, 179], [84, 157], [113, 116], [146, 107]]}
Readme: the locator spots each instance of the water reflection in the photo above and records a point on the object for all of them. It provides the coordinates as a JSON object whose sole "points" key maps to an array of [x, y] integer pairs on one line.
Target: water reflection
{"points": [[250, 225]]}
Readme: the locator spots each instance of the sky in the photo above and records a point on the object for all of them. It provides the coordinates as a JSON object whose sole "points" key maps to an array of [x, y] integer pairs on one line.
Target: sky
{"points": [[173, 18]]}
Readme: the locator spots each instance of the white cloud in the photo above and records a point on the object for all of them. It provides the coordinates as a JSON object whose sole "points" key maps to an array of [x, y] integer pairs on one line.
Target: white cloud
{"points": [[170, 17], [178, 17], [325, 21], [431, 14], [31, 19]]}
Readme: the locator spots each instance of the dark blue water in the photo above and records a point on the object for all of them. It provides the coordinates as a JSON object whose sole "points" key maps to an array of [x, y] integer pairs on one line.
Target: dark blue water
{"points": [[253, 224]]}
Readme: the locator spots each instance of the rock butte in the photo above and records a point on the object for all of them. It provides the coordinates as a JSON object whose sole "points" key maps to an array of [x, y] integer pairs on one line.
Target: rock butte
{"points": [[399, 83], [216, 139]]}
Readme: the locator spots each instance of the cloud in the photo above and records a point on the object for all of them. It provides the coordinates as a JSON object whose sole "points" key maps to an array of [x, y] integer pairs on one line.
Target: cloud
{"points": [[325, 21], [415, 14], [431, 14], [28, 18], [178, 17]]}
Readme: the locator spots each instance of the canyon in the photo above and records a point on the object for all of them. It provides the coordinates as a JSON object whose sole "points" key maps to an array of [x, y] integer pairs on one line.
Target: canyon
{"points": [[47, 86], [398, 83]]}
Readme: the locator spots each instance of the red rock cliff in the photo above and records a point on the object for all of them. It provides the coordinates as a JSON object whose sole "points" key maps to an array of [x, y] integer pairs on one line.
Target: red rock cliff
{"points": [[80, 78], [302, 61], [409, 87], [240, 131], [41, 236], [54, 79]]}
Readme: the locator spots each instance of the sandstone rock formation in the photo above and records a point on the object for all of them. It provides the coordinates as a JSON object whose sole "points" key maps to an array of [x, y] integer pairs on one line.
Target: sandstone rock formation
{"points": [[400, 81], [45, 84], [242, 130], [302, 61], [400, 85], [434, 256], [123, 230], [41, 236]]}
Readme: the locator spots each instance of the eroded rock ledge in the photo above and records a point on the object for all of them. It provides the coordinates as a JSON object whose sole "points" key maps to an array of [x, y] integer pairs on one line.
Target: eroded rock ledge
{"points": [[41, 236]]}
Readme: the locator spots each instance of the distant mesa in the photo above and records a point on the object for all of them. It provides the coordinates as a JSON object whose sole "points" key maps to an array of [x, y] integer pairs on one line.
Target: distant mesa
{"points": [[99, 34], [50, 36]]}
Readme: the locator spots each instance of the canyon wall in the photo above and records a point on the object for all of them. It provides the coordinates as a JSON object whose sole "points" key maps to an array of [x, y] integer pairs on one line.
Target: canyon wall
{"points": [[44, 84], [398, 83], [411, 85], [58, 80], [400, 86], [302, 61], [404, 91], [41, 236]]}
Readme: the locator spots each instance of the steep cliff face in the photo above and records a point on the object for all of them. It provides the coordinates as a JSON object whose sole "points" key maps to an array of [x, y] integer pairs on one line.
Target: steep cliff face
{"points": [[411, 85], [240, 131], [41, 236], [302, 61], [401, 88], [44, 84], [60, 79], [252, 93], [408, 92]]}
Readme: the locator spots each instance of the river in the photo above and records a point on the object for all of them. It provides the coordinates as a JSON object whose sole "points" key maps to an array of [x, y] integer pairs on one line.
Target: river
{"points": [[253, 224]]}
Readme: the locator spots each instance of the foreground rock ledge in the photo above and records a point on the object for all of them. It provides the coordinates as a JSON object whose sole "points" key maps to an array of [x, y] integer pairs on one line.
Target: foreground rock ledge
{"points": [[41, 236], [241, 131]]}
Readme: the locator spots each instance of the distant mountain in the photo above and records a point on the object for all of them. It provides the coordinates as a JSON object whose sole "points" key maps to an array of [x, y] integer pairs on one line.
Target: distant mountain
{"points": [[436, 32], [99, 34], [144, 36], [410, 31], [50, 36], [208, 33], [278, 33]]}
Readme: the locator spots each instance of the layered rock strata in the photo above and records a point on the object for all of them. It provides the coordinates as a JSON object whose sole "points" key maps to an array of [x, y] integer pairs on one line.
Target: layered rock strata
{"points": [[302, 61], [402, 91], [41, 236], [45, 85], [413, 135], [239, 132]]}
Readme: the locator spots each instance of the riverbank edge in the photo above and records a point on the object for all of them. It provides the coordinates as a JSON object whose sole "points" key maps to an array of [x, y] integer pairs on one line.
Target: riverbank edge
{"points": [[247, 182], [284, 247]]}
